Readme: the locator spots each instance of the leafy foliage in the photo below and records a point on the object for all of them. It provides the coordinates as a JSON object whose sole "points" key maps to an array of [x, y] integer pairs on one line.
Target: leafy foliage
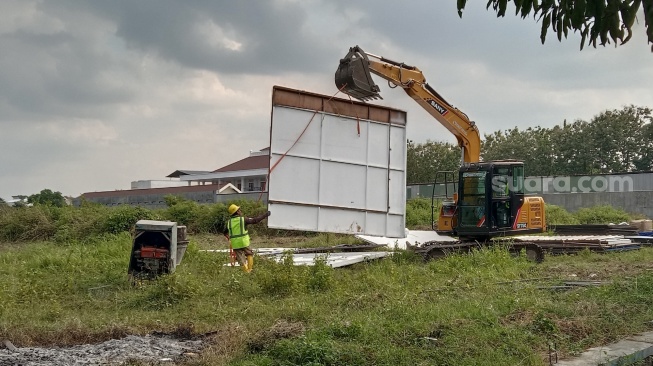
{"points": [[556, 215], [595, 20], [418, 213], [124, 217], [27, 223], [534, 146], [47, 197], [601, 215], [69, 223], [279, 280], [613, 141], [424, 160], [320, 275]]}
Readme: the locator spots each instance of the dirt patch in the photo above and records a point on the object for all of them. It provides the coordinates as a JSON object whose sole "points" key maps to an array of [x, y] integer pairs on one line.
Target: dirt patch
{"points": [[148, 348], [282, 329], [520, 318], [575, 329]]}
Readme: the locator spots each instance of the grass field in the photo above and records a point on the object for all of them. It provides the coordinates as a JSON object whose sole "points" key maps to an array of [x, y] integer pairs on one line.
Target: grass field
{"points": [[485, 308]]}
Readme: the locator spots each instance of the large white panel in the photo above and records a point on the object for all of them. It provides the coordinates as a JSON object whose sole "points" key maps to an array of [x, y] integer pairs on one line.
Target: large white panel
{"points": [[378, 147], [342, 221], [292, 217], [397, 192], [342, 185], [295, 180], [396, 226], [288, 126], [398, 148], [377, 189], [341, 140], [334, 180], [376, 223]]}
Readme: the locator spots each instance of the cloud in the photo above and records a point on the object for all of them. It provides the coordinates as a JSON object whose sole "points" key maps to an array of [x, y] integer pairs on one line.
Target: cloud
{"points": [[224, 36], [100, 93]]}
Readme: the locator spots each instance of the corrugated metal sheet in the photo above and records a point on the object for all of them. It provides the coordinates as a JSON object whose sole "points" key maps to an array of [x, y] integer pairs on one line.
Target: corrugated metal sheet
{"points": [[413, 238], [334, 260]]}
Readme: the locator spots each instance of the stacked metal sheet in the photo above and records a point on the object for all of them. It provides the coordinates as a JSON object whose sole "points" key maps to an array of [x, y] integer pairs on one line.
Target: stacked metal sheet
{"points": [[335, 256], [563, 244], [591, 229], [642, 239]]}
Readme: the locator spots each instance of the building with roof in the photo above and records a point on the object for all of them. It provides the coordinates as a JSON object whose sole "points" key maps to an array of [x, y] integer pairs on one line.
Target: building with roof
{"points": [[248, 174], [243, 179]]}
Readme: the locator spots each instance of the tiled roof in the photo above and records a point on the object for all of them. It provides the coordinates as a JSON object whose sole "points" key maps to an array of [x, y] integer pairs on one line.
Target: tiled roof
{"points": [[249, 163], [166, 190]]}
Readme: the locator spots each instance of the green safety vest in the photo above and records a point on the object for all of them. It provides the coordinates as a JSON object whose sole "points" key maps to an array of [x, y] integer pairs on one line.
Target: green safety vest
{"points": [[238, 233]]}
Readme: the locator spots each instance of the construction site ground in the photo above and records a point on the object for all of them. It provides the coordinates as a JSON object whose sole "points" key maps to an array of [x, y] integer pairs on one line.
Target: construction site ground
{"points": [[483, 308]]}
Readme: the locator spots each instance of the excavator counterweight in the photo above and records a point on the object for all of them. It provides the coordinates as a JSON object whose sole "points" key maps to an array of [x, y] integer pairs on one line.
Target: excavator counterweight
{"points": [[354, 78]]}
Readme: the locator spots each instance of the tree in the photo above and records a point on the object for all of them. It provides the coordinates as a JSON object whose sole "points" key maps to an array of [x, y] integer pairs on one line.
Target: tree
{"points": [[574, 153], [425, 160], [616, 137], [532, 146], [613, 141], [595, 20], [644, 140], [2, 202], [47, 197]]}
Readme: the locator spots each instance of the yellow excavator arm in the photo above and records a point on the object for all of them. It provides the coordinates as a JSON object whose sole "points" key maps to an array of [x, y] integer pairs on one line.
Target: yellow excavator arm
{"points": [[353, 77]]}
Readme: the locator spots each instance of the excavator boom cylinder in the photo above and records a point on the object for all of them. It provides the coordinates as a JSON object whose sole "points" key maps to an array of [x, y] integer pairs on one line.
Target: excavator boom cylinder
{"points": [[354, 78]]}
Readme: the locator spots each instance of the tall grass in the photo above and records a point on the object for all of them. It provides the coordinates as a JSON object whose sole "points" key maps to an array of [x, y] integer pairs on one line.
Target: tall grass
{"points": [[602, 214], [72, 224], [485, 308]]}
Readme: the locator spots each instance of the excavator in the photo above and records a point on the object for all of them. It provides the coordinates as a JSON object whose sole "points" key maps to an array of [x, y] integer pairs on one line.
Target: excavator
{"points": [[490, 200]]}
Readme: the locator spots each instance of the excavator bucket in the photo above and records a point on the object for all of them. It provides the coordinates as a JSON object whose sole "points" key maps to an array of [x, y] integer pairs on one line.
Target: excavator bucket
{"points": [[353, 76]]}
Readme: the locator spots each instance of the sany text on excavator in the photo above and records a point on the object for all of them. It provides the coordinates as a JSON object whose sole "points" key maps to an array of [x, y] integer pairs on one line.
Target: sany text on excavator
{"points": [[490, 199]]}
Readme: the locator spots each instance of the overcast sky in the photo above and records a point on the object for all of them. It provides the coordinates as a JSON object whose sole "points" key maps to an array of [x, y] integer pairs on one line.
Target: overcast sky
{"points": [[96, 94]]}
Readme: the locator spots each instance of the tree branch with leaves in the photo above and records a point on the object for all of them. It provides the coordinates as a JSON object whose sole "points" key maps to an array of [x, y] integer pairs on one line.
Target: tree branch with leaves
{"points": [[597, 21]]}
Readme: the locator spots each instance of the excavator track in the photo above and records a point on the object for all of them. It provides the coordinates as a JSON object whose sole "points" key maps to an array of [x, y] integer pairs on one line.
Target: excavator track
{"points": [[434, 250]]}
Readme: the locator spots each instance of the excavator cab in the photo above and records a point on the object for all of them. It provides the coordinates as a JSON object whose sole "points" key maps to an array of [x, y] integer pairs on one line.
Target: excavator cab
{"points": [[491, 202], [445, 190], [353, 76]]}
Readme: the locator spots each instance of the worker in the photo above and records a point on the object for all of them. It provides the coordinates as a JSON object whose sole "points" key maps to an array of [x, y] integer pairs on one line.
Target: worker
{"points": [[236, 228]]}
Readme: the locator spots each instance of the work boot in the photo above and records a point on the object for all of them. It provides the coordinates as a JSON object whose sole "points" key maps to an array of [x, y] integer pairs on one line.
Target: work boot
{"points": [[250, 263], [245, 267]]}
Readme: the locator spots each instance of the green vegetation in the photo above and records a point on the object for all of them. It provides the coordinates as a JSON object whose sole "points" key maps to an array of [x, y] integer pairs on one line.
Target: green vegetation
{"points": [[418, 213], [80, 224], [614, 141], [602, 214], [47, 197], [395, 311], [69, 224], [594, 20], [556, 215], [485, 308]]}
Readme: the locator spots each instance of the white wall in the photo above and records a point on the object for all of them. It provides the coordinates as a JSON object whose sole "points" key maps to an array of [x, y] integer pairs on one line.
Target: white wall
{"points": [[147, 184]]}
